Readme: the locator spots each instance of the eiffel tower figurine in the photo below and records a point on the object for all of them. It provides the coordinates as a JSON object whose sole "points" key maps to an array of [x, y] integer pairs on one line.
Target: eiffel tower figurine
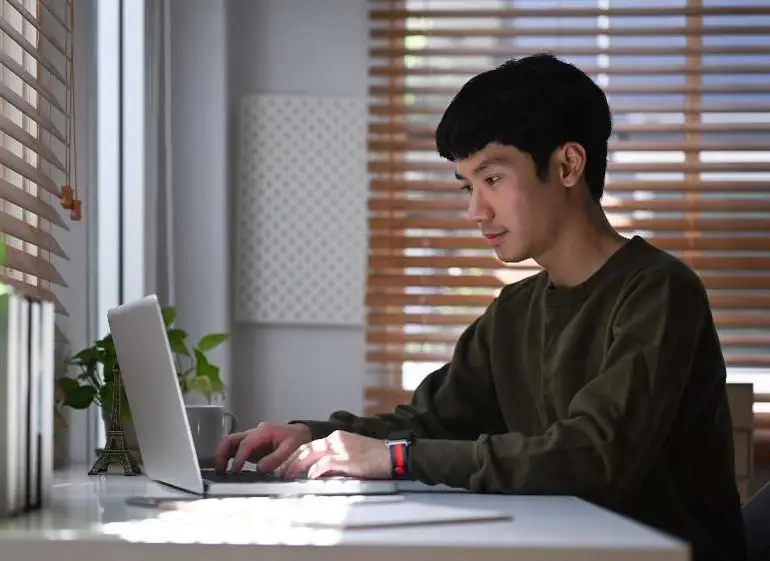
{"points": [[115, 450]]}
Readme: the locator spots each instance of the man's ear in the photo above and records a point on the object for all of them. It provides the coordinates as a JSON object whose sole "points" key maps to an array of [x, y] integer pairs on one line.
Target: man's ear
{"points": [[571, 163]]}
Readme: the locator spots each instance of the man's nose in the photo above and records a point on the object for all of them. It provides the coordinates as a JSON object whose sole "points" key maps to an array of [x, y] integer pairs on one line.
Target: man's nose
{"points": [[478, 208]]}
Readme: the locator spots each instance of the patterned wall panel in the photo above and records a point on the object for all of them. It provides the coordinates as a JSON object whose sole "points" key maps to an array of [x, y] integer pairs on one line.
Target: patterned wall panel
{"points": [[301, 209]]}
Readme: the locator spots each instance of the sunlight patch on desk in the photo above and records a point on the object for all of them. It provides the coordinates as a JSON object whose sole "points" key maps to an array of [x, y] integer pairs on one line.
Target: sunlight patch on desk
{"points": [[249, 520], [308, 520]]}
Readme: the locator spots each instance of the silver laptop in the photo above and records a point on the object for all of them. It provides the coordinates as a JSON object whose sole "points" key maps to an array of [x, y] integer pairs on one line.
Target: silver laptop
{"points": [[163, 432]]}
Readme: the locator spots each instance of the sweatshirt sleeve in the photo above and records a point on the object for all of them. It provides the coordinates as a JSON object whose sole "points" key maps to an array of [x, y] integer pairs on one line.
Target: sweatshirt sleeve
{"points": [[445, 405], [615, 425]]}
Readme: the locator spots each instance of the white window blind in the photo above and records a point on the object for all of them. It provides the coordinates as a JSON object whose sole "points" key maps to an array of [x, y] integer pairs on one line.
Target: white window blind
{"points": [[35, 140], [689, 163]]}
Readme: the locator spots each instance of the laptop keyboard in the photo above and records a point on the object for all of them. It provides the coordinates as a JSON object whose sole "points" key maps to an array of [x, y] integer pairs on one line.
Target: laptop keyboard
{"points": [[245, 476]]}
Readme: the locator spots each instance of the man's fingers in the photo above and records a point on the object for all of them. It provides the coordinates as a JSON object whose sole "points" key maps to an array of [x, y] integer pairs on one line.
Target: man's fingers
{"points": [[286, 469], [248, 445], [304, 462], [326, 465], [302, 458], [226, 448], [272, 461], [283, 469]]}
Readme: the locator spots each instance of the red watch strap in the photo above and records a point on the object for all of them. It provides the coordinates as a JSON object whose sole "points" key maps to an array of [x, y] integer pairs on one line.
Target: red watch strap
{"points": [[399, 457]]}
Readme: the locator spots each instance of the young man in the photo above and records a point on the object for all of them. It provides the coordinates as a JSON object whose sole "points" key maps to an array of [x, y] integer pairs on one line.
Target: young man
{"points": [[601, 377]]}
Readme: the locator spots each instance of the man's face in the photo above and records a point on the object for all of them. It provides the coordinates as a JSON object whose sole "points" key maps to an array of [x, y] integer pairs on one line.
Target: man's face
{"points": [[518, 214]]}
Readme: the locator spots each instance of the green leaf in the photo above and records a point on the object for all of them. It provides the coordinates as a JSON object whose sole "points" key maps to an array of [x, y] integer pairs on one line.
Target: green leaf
{"points": [[200, 384], [108, 346], [176, 339], [217, 386], [169, 316], [212, 341], [89, 371], [204, 369], [105, 395], [67, 385], [85, 375], [201, 363], [104, 342], [75, 395], [91, 354]]}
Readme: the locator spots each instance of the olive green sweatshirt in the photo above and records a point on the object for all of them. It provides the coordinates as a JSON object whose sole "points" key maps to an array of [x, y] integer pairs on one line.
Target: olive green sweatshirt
{"points": [[613, 391]]}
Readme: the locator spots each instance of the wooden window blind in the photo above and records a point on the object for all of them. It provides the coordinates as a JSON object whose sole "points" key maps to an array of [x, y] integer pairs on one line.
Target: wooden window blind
{"points": [[35, 138], [689, 163]]}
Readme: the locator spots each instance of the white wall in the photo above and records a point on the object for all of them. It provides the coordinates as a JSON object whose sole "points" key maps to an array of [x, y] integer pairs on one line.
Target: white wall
{"points": [[312, 47], [221, 51], [201, 190]]}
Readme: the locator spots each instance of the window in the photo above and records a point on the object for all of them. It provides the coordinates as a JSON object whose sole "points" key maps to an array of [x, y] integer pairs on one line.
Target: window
{"points": [[35, 133], [689, 85]]}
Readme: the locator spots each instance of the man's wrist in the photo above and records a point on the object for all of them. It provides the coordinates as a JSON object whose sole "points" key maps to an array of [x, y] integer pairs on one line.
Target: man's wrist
{"points": [[307, 434], [318, 429]]}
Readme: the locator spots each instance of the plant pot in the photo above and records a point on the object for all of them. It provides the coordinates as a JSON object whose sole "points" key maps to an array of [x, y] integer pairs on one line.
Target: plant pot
{"points": [[129, 434]]}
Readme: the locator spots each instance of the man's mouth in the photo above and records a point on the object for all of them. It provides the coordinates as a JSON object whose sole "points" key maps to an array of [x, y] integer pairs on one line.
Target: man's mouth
{"points": [[494, 238], [493, 235]]}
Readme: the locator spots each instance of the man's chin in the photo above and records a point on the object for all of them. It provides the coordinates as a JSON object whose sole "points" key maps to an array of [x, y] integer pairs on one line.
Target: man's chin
{"points": [[510, 256]]}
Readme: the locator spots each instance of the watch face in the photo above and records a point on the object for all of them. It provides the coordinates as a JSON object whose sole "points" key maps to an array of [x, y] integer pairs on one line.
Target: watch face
{"points": [[401, 435]]}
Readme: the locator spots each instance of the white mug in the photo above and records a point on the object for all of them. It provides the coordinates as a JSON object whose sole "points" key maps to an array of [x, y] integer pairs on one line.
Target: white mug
{"points": [[209, 424]]}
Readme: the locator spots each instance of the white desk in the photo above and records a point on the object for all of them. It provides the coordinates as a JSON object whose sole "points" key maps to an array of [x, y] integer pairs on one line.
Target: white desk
{"points": [[81, 525]]}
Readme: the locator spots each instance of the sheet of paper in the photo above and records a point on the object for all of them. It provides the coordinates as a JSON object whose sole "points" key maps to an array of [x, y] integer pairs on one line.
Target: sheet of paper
{"points": [[364, 512], [407, 514]]}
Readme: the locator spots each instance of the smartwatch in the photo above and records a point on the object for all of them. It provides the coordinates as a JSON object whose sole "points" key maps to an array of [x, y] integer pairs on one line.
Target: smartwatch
{"points": [[399, 445]]}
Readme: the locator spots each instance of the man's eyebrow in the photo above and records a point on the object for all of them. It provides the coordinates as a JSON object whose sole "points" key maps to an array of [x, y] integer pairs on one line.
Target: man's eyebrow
{"points": [[484, 164]]}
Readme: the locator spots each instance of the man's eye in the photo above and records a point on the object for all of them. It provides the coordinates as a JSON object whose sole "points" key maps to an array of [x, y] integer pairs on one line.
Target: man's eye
{"points": [[467, 189], [492, 180]]}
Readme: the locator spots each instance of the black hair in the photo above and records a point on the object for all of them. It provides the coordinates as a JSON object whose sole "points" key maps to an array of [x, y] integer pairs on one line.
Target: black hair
{"points": [[535, 104]]}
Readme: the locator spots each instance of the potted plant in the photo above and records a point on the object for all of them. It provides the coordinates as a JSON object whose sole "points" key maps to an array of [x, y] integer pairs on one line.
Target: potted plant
{"points": [[93, 381]]}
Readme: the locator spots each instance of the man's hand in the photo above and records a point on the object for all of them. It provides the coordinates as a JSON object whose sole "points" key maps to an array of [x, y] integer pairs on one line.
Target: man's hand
{"points": [[268, 446], [341, 453]]}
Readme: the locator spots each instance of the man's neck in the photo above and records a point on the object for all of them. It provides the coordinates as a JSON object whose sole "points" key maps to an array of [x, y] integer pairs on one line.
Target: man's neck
{"points": [[581, 249]]}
